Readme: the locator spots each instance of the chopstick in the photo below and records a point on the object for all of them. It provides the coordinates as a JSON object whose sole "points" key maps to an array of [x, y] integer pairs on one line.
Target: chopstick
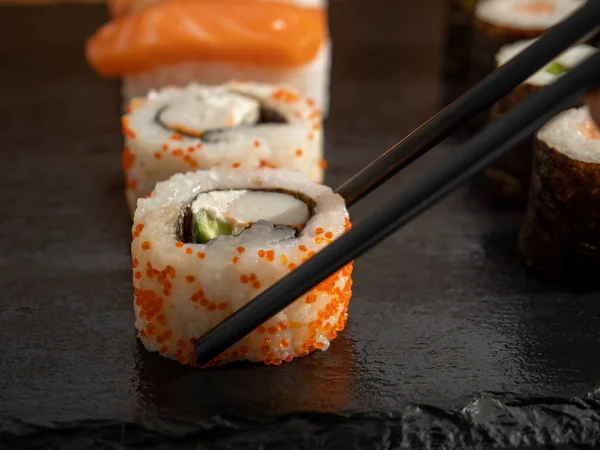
{"points": [[475, 101], [497, 138]]}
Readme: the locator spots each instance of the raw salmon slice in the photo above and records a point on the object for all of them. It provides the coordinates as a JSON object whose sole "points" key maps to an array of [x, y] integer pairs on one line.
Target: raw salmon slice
{"points": [[537, 7], [237, 31]]}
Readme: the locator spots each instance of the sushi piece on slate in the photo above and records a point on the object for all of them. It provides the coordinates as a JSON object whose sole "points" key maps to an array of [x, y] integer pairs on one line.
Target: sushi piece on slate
{"points": [[501, 22], [206, 243], [508, 177], [460, 19], [236, 125], [215, 41], [118, 8], [561, 231]]}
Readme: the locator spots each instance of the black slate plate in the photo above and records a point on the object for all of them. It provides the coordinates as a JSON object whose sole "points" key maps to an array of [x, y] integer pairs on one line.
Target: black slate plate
{"points": [[450, 341]]}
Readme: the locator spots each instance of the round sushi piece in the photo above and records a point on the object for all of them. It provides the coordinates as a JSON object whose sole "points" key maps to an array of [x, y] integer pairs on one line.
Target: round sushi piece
{"points": [[237, 125], [206, 243], [561, 231], [178, 42], [500, 22], [460, 15], [509, 176]]}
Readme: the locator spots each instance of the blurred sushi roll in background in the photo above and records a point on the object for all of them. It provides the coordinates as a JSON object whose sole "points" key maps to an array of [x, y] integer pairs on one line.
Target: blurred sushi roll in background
{"points": [[237, 125], [561, 231], [501, 22], [509, 176], [460, 17], [206, 243], [178, 42], [118, 8]]}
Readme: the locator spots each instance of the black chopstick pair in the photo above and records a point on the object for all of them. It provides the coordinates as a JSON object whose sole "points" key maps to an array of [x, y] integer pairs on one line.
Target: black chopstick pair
{"points": [[475, 155], [477, 100]]}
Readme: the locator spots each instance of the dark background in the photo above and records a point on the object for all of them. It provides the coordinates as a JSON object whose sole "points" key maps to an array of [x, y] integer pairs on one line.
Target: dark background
{"points": [[450, 341]]}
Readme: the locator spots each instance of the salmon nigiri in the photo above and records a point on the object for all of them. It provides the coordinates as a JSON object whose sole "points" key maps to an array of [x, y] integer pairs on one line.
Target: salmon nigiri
{"points": [[214, 41], [211, 30]]}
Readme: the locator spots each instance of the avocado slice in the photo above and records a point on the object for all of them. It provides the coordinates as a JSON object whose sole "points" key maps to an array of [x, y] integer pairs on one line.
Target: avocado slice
{"points": [[557, 68], [207, 227]]}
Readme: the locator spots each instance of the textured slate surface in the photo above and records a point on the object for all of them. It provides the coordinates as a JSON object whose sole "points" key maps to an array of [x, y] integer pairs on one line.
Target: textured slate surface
{"points": [[450, 340]]}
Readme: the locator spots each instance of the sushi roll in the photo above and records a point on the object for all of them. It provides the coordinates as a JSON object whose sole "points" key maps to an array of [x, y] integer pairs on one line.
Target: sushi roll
{"points": [[178, 42], [561, 231], [460, 15], [206, 243], [118, 8], [501, 22], [237, 125], [508, 178]]}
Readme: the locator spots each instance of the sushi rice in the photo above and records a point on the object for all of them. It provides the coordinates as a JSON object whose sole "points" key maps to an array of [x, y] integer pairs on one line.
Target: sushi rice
{"points": [[177, 130], [560, 65], [526, 14], [501, 22], [574, 135], [311, 79], [183, 289]]}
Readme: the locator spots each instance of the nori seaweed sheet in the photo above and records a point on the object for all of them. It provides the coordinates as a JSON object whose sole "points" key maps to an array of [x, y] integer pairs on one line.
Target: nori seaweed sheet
{"points": [[488, 40], [457, 52], [186, 225], [561, 231], [508, 178]]}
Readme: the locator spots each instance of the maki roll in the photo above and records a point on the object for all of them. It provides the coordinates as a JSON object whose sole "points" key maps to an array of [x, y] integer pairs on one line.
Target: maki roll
{"points": [[561, 231], [501, 22], [206, 243], [237, 125], [460, 15], [508, 177], [559, 66], [118, 8], [178, 42]]}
